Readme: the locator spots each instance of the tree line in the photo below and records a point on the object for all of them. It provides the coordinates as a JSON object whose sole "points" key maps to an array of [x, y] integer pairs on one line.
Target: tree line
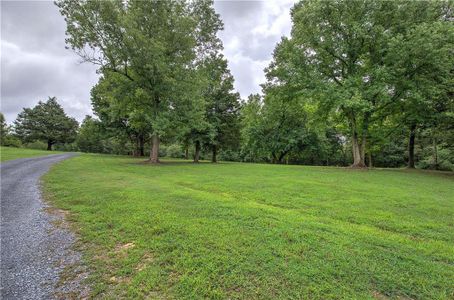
{"points": [[360, 83]]}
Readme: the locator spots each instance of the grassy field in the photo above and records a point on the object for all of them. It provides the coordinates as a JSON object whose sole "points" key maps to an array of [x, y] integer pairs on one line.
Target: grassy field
{"points": [[251, 231], [9, 153]]}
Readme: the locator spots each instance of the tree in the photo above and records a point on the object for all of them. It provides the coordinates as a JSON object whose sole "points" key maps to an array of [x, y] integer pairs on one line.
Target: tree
{"points": [[6, 135], [90, 136], [4, 130], [343, 55], [120, 107], [222, 106], [151, 43], [46, 122], [423, 66], [250, 116]]}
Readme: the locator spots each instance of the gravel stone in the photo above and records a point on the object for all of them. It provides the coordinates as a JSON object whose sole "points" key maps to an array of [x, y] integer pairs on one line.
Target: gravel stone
{"points": [[34, 249]]}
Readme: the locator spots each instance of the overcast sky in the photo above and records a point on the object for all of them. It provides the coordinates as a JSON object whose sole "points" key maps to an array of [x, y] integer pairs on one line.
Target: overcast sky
{"points": [[35, 63]]}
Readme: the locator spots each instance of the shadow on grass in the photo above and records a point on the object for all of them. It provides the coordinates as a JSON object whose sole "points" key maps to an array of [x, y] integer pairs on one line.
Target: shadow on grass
{"points": [[164, 163], [182, 162]]}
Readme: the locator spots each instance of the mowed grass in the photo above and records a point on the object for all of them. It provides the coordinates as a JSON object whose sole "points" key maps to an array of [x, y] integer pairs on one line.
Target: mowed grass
{"points": [[9, 153], [251, 231]]}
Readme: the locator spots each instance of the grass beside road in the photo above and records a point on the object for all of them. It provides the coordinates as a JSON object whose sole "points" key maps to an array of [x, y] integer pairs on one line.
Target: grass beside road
{"points": [[251, 231], [9, 153]]}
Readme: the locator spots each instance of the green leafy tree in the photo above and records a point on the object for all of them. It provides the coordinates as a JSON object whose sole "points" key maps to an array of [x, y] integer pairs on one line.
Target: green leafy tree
{"points": [[222, 106], [151, 43], [250, 116], [6, 136], [119, 104], [46, 122], [346, 57], [4, 130], [91, 136]]}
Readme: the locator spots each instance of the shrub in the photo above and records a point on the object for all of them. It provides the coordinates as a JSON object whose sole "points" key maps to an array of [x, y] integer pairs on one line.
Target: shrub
{"points": [[175, 151], [38, 145], [11, 141]]}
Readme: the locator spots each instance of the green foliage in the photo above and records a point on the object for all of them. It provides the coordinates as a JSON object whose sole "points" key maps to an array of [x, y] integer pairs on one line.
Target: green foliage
{"points": [[254, 231], [152, 44], [11, 141], [222, 106], [4, 130], [90, 137], [371, 76], [94, 138], [38, 145], [6, 138], [366, 61], [46, 122], [175, 151]]}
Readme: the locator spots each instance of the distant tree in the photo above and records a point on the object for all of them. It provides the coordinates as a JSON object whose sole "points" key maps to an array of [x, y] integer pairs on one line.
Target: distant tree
{"points": [[4, 130], [279, 128], [46, 122], [119, 105], [6, 135], [250, 116], [222, 106], [91, 136]]}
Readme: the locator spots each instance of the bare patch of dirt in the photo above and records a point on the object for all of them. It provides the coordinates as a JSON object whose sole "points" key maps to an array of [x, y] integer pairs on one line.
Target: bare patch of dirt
{"points": [[124, 247], [145, 261]]}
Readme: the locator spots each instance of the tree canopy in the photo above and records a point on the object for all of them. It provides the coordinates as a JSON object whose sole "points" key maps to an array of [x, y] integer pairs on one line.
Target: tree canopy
{"points": [[366, 61], [356, 83], [46, 122]]}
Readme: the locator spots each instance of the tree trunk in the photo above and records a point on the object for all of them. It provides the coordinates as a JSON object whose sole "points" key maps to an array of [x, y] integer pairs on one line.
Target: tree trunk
{"points": [[186, 152], [213, 157], [358, 144], [49, 146], [435, 153], [154, 153], [370, 160], [197, 152], [141, 146], [411, 147], [358, 161], [135, 152], [365, 134], [363, 151]]}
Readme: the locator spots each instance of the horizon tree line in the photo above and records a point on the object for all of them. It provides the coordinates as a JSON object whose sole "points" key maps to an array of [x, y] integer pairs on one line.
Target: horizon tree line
{"points": [[360, 83]]}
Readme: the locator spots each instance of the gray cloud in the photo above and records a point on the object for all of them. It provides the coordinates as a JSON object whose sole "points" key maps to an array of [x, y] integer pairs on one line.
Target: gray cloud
{"points": [[251, 31], [35, 63]]}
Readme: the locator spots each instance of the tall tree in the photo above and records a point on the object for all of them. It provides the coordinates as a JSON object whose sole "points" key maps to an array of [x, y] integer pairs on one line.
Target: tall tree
{"points": [[342, 55], [47, 122], [250, 116], [422, 68], [222, 106], [90, 136], [152, 43]]}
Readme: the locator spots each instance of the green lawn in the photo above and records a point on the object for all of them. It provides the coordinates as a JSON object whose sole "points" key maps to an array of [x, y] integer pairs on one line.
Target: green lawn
{"points": [[252, 231], [9, 153]]}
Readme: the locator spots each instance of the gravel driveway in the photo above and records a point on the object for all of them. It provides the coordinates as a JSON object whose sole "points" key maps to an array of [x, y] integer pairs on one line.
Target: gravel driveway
{"points": [[34, 250]]}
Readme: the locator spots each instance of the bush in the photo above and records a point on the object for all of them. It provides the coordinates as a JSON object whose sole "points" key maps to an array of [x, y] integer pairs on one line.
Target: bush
{"points": [[38, 145], [66, 147], [11, 141], [229, 155], [175, 151], [445, 160], [162, 150]]}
